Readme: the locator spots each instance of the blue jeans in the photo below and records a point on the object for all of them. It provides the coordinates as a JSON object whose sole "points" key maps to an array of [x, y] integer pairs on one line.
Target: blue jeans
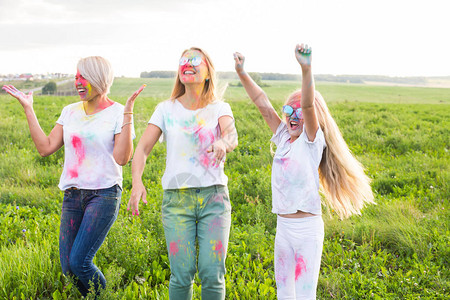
{"points": [[201, 215], [87, 216]]}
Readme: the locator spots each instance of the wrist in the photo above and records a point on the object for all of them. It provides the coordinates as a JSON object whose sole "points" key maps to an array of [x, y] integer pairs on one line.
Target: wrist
{"points": [[28, 109], [306, 69]]}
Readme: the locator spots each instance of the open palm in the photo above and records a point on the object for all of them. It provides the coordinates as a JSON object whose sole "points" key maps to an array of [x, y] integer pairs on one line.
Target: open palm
{"points": [[25, 99]]}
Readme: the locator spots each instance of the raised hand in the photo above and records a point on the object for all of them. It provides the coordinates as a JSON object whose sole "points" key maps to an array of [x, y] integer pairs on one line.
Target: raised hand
{"points": [[239, 62], [303, 53], [130, 102], [26, 100]]}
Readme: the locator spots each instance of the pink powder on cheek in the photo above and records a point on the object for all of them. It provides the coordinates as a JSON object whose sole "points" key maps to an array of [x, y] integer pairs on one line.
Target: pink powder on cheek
{"points": [[300, 266]]}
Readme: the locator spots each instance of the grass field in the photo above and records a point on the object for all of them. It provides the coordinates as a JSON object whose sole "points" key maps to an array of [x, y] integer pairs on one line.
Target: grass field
{"points": [[397, 249]]}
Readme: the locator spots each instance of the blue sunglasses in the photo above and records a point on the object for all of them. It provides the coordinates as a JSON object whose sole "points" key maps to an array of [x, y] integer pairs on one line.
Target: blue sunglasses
{"points": [[289, 111], [195, 61]]}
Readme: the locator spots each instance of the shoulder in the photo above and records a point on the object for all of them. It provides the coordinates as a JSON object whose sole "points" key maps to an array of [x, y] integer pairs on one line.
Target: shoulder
{"points": [[74, 106], [166, 104]]}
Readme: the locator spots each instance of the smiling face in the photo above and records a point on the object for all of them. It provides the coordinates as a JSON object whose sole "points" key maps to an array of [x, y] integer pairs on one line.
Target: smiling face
{"points": [[84, 88], [294, 124], [188, 71]]}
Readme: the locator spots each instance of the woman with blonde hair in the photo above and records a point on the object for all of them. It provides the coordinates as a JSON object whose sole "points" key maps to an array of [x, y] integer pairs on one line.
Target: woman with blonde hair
{"points": [[97, 136], [310, 149], [199, 130]]}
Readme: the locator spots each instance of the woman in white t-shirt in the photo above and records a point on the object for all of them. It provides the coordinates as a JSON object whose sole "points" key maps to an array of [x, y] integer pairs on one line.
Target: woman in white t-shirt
{"points": [[97, 136], [199, 130], [309, 144]]}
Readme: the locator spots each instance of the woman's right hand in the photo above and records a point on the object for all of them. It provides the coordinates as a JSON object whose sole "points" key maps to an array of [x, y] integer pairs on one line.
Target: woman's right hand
{"points": [[138, 192], [239, 60], [26, 100]]}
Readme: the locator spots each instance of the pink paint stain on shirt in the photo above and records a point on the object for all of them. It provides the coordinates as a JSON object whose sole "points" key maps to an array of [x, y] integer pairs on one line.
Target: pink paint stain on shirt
{"points": [[72, 224], [80, 152], [173, 248], [300, 266]]}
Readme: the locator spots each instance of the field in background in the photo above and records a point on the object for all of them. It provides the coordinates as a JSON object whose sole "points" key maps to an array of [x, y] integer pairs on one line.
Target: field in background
{"points": [[397, 249]]}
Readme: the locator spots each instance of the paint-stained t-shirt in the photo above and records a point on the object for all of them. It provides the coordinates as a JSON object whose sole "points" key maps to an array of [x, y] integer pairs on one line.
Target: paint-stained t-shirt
{"points": [[88, 147], [189, 134], [295, 172]]}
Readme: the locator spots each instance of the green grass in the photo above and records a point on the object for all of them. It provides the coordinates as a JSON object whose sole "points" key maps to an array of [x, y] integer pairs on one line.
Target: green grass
{"points": [[397, 249]]}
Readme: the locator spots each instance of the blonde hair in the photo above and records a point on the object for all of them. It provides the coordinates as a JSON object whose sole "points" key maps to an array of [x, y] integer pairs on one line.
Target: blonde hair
{"points": [[98, 71], [343, 182], [209, 93]]}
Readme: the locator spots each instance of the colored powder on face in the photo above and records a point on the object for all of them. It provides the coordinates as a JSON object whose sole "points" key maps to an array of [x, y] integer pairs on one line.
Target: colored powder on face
{"points": [[173, 248], [300, 266], [89, 88]]}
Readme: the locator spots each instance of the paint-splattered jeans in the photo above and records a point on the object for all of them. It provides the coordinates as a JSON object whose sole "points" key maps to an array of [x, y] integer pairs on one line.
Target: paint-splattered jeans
{"points": [[202, 214], [298, 251], [87, 216]]}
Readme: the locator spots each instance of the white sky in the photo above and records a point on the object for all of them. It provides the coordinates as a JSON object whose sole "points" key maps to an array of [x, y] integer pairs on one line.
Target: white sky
{"points": [[383, 37]]}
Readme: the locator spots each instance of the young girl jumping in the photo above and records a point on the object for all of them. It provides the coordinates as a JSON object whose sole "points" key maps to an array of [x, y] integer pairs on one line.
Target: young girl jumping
{"points": [[310, 149]]}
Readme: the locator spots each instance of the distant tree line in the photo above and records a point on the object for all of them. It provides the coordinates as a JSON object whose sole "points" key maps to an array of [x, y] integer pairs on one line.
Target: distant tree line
{"points": [[294, 77], [159, 74]]}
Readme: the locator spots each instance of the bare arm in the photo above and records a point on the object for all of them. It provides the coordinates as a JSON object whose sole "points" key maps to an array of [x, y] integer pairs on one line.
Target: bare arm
{"points": [[257, 94], [123, 142], [228, 140], [143, 149], [45, 145], [304, 58]]}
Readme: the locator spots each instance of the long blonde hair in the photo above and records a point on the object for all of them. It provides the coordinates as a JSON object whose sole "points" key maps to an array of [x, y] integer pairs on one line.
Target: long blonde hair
{"points": [[209, 93], [343, 181]]}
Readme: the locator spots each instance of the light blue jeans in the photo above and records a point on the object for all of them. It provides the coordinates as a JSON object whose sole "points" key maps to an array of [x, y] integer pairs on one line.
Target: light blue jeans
{"points": [[191, 217]]}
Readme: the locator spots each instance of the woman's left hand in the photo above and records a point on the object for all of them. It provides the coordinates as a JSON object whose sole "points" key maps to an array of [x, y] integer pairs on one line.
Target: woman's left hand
{"points": [[130, 102], [219, 149]]}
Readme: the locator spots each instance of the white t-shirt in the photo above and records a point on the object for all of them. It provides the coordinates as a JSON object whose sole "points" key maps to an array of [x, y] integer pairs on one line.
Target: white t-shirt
{"points": [[295, 172], [188, 134], [88, 147]]}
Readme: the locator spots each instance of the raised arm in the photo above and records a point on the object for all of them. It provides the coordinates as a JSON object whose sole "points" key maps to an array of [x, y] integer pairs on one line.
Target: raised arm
{"points": [[123, 142], [143, 149], [45, 145], [303, 54], [256, 94]]}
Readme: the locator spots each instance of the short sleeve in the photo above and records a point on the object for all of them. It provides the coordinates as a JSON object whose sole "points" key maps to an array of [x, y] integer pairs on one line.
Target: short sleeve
{"points": [[317, 146], [281, 134], [225, 110], [157, 117], [62, 117]]}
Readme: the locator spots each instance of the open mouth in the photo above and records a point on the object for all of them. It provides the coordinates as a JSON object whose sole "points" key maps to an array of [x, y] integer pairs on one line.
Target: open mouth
{"points": [[81, 90], [294, 125], [188, 72]]}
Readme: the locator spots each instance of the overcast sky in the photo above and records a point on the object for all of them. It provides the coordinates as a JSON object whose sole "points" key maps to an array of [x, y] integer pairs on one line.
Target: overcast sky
{"points": [[383, 37]]}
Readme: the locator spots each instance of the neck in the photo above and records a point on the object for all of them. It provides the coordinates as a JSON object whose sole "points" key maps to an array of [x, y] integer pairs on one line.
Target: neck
{"points": [[192, 96], [96, 104]]}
